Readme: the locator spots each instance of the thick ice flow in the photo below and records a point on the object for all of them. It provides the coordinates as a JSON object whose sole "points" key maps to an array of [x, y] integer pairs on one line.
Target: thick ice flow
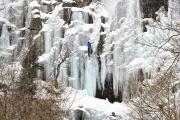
{"points": [[4, 40], [120, 50], [125, 25]]}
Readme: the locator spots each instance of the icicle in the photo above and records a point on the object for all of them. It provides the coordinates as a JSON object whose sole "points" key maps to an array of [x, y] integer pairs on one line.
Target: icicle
{"points": [[4, 40], [173, 9]]}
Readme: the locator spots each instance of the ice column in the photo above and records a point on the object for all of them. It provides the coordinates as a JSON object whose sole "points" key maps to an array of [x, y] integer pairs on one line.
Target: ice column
{"points": [[4, 40], [125, 25], [83, 69], [52, 43], [173, 9], [91, 76]]}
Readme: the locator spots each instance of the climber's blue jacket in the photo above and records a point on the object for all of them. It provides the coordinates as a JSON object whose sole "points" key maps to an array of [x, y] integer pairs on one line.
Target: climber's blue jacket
{"points": [[89, 44]]}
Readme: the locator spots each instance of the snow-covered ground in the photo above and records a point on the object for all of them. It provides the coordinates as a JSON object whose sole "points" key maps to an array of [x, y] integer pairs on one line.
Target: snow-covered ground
{"points": [[99, 109], [91, 108]]}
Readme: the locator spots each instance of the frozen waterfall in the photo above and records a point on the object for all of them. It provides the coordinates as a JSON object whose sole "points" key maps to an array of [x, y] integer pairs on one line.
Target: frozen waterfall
{"points": [[120, 24], [119, 45], [114, 26]]}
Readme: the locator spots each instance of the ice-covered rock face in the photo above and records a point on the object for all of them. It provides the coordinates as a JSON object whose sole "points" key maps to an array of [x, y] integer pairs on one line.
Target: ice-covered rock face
{"points": [[54, 28], [34, 16], [50, 37], [104, 74], [174, 10], [12, 22]]}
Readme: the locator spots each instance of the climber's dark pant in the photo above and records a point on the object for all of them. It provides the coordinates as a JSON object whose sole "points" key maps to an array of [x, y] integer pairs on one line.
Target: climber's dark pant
{"points": [[89, 51]]}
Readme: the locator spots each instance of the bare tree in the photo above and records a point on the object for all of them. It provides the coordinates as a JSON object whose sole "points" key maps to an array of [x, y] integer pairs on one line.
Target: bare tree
{"points": [[156, 97], [64, 54], [17, 103]]}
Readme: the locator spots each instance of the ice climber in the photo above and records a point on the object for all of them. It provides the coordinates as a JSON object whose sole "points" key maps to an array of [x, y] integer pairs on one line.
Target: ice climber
{"points": [[89, 48]]}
